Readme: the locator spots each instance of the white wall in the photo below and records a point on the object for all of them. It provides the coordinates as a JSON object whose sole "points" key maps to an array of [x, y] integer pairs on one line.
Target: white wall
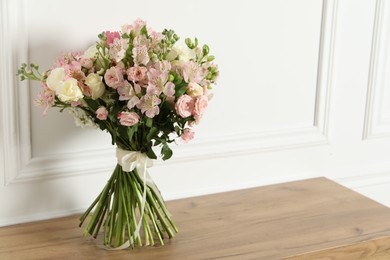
{"points": [[304, 92]]}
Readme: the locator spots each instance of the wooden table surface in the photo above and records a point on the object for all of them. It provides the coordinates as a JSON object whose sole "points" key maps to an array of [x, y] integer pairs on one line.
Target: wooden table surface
{"points": [[310, 219]]}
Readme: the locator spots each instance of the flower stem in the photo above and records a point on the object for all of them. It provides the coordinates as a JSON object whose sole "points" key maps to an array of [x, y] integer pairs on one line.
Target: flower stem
{"points": [[116, 210]]}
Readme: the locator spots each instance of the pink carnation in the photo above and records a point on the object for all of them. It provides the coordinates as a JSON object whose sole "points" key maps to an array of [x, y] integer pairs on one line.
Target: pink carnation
{"points": [[187, 135], [101, 113], [113, 77], [128, 118], [136, 73], [200, 106], [184, 106]]}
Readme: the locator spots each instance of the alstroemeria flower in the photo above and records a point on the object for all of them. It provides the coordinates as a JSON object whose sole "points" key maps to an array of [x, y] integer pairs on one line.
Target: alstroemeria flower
{"points": [[149, 105]]}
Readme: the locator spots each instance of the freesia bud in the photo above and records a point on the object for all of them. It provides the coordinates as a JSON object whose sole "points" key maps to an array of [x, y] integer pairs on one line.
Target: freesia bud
{"points": [[205, 50], [171, 78], [210, 58], [188, 42]]}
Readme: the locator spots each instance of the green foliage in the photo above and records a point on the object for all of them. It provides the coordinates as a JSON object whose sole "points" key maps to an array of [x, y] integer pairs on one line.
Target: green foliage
{"points": [[166, 152]]}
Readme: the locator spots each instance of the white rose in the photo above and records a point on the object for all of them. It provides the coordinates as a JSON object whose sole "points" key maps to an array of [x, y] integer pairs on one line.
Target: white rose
{"points": [[172, 54], [95, 85], [68, 91], [183, 52], [91, 52], [56, 78]]}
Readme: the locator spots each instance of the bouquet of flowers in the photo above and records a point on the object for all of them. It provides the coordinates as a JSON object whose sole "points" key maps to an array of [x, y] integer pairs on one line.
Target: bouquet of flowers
{"points": [[146, 91]]}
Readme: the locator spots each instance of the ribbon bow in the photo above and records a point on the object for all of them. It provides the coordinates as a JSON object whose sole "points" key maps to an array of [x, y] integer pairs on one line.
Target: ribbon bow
{"points": [[130, 160]]}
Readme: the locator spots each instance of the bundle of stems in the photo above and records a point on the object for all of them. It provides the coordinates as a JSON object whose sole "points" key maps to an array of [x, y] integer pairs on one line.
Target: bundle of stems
{"points": [[118, 208]]}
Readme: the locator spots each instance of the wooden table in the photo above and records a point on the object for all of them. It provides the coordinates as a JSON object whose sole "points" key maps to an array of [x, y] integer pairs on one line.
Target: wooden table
{"points": [[307, 219]]}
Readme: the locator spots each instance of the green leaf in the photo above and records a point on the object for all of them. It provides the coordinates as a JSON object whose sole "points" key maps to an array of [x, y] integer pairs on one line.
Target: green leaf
{"points": [[150, 153], [180, 89], [166, 152], [152, 133], [178, 79], [131, 131], [144, 31]]}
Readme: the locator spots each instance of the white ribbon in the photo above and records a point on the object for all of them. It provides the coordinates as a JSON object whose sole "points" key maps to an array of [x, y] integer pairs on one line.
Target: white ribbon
{"points": [[130, 160]]}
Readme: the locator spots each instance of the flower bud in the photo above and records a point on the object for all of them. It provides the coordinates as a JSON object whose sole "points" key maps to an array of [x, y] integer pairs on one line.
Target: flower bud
{"points": [[210, 58], [188, 42], [171, 78], [205, 50]]}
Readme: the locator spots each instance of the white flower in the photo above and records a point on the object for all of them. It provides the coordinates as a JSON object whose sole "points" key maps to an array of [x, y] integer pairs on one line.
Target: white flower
{"points": [[68, 91], [91, 52], [183, 52], [81, 118], [95, 85], [56, 78]]}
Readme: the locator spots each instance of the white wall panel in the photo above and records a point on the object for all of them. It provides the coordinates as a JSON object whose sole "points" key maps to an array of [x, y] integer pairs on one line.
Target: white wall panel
{"points": [[292, 100], [254, 58], [377, 120]]}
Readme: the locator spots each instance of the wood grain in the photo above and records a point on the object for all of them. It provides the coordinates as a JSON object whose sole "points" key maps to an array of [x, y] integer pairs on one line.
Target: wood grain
{"points": [[310, 219]]}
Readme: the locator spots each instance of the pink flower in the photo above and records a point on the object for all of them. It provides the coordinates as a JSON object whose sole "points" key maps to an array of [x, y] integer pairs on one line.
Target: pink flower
{"points": [[111, 36], [128, 118], [76, 103], [118, 49], [192, 72], [184, 106], [200, 106], [133, 102], [45, 99], [125, 91], [187, 135], [138, 24], [136, 73], [140, 55], [101, 113], [113, 77], [149, 105], [86, 63], [194, 90], [169, 89]]}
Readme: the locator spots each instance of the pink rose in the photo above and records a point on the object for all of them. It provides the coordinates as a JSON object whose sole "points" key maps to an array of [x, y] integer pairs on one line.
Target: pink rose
{"points": [[187, 135], [113, 77], [200, 106], [128, 118], [101, 113], [136, 73], [184, 106]]}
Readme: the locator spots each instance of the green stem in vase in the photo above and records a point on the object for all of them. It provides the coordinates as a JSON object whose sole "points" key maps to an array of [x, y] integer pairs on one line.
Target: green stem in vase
{"points": [[119, 225], [113, 212], [127, 206], [166, 213]]}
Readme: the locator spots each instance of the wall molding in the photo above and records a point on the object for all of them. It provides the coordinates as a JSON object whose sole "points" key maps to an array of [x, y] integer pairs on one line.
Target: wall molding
{"points": [[376, 125], [17, 121]]}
